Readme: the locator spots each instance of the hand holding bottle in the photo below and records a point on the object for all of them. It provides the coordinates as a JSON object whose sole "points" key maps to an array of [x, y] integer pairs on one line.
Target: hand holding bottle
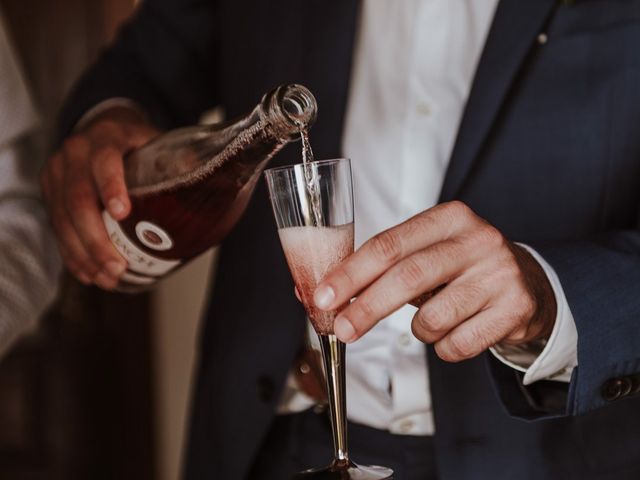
{"points": [[86, 176], [126, 223]]}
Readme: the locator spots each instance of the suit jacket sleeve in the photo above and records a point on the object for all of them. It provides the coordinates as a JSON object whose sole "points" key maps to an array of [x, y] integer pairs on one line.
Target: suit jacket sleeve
{"points": [[164, 59], [601, 280]]}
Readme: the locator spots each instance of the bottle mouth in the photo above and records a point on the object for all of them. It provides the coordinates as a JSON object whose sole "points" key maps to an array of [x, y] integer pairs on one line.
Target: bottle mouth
{"points": [[298, 104], [292, 107]]}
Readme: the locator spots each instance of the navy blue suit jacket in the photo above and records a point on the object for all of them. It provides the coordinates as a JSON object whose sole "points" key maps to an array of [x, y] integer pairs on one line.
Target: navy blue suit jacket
{"points": [[548, 151]]}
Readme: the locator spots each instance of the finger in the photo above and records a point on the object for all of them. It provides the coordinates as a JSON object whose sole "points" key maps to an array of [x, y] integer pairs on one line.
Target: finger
{"points": [[72, 266], [108, 173], [76, 257], [474, 336], [88, 223], [106, 280], [423, 271], [387, 248], [141, 135], [525, 330], [81, 202], [456, 303]]}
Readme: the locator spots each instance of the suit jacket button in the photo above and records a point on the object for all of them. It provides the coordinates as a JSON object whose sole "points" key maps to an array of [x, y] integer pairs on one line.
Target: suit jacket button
{"points": [[266, 388], [616, 388]]}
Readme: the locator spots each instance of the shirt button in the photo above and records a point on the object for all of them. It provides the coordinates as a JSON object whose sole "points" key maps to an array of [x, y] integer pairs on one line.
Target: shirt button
{"points": [[406, 426], [423, 108], [404, 340]]}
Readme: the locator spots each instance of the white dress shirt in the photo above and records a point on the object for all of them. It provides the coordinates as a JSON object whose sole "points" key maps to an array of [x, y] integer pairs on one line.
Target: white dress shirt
{"points": [[29, 265], [413, 68]]}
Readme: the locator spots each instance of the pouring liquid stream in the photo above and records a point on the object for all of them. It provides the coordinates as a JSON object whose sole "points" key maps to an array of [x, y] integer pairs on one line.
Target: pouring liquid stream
{"points": [[311, 178]]}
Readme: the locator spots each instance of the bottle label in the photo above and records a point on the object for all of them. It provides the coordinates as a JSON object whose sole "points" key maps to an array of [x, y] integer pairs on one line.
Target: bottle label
{"points": [[143, 268]]}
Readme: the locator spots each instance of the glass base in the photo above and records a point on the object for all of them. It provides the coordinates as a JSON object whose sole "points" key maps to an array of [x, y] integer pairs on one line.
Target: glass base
{"points": [[350, 472]]}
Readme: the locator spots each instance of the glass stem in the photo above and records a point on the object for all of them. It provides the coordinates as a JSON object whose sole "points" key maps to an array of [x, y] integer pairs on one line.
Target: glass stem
{"points": [[333, 356]]}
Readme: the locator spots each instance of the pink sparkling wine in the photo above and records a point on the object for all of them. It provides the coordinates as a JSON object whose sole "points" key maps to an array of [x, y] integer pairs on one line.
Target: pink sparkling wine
{"points": [[311, 253]]}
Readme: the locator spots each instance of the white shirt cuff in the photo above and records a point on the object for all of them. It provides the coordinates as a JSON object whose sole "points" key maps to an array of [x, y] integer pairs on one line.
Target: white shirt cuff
{"points": [[555, 359], [104, 106]]}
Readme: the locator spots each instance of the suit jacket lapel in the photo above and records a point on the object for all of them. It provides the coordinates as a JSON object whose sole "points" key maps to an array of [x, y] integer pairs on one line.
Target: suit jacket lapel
{"points": [[515, 27]]}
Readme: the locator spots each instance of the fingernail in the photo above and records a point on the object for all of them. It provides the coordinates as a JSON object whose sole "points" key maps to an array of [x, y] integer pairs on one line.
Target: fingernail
{"points": [[344, 330], [323, 297], [84, 279], [115, 269], [116, 207], [104, 281]]}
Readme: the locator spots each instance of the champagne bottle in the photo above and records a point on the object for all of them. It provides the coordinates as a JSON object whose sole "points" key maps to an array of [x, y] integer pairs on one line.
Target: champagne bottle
{"points": [[188, 187]]}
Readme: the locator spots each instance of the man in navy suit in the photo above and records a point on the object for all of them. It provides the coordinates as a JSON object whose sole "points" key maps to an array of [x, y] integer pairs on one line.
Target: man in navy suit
{"points": [[546, 155]]}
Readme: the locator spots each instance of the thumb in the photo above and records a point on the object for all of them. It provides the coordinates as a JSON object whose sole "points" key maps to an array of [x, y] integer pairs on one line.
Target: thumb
{"points": [[108, 173]]}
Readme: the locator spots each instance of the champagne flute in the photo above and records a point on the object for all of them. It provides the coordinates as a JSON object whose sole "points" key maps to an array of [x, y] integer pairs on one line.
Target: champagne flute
{"points": [[313, 207]]}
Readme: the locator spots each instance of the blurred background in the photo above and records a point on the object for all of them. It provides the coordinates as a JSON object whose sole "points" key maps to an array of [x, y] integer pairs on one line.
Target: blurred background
{"points": [[100, 390]]}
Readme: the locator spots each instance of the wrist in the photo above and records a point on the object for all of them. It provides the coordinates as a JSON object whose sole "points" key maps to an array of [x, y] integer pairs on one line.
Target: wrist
{"points": [[120, 114]]}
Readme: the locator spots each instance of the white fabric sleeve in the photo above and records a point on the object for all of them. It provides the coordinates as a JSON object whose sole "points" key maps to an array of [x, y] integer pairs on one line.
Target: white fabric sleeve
{"points": [[555, 358], [17, 114], [29, 265]]}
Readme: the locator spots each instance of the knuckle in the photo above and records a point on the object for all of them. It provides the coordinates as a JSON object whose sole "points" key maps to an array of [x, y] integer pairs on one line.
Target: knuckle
{"points": [[106, 153], [457, 208], [514, 293], [410, 274], [107, 126], [76, 205], [140, 137], [490, 236], [362, 313], [80, 195], [445, 353], [88, 267], [348, 274], [472, 290], [528, 308], [344, 276], [422, 334], [364, 310], [518, 335], [431, 318], [511, 270], [462, 346], [112, 186], [97, 250], [77, 263], [386, 246], [74, 145], [505, 274], [74, 268]]}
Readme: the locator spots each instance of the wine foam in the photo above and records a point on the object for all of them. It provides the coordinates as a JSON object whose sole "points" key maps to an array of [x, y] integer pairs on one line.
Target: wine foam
{"points": [[311, 253]]}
